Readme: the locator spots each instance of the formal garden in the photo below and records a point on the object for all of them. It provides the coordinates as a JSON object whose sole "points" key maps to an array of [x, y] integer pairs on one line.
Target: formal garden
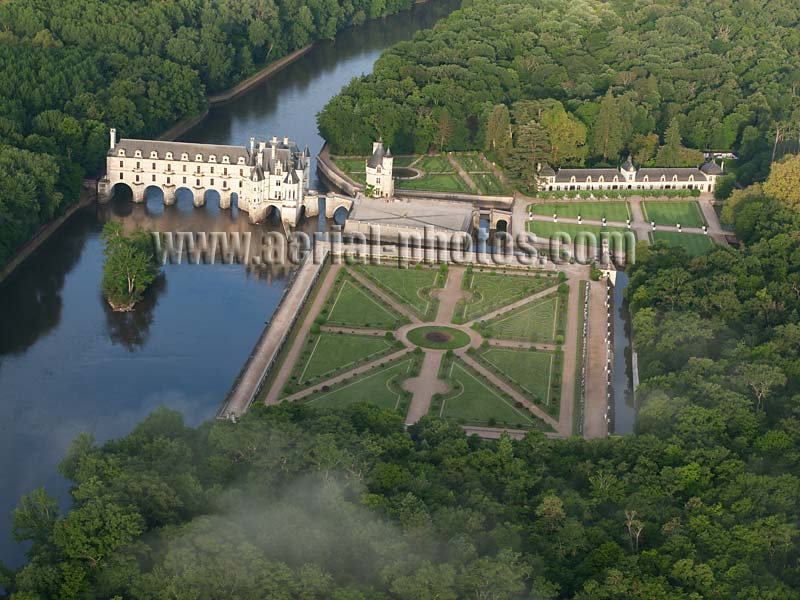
{"points": [[695, 244], [495, 338], [434, 173]]}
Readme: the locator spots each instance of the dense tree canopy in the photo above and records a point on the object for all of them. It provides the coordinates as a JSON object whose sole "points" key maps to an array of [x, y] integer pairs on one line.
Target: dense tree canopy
{"points": [[71, 69], [711, 74]]}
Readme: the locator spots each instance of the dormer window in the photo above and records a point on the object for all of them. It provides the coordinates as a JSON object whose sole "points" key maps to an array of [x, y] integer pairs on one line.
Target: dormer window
{"points": [[600, 180], [198, 157], [241, 160], [226, 159], [691, 177], [138, 154], [169, 155], [153, 154], [663, 178], [674, 178], [121, 152], [212, 158], [589, 179], [572, 179], [184, 156], [647, 178]]}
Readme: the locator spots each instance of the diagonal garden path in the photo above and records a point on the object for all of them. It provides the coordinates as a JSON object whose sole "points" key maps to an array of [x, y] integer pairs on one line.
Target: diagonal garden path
{"points": [[383, 296], [512, 306], [427, 383]]}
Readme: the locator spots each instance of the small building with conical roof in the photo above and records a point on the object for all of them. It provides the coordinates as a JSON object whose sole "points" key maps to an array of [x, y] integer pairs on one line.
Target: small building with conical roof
{"points": [[380, 181]]}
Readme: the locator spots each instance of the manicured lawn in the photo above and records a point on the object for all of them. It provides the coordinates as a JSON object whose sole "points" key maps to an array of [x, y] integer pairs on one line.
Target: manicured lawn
{"points": [[489, 184], [592, 211], [329, 353], [688, 214], [475, 401], [351, 164], [435, 164], [493, 290], [448, 182], [380, 387], [694, 243], [404, 161], [534, 322], [411, 287], [533, 372], [470, 162], [546, 229], [350, 305], [438, 338]]}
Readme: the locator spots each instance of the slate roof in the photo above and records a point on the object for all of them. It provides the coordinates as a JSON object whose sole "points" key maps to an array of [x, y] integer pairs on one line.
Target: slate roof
{"points": [[177, 148], [683, 174], [712, 168], [376, 159], [566, 175]]}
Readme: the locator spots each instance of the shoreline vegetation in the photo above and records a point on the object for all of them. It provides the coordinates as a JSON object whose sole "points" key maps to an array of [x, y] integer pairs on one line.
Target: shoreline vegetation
{"points": [[37, 129]]}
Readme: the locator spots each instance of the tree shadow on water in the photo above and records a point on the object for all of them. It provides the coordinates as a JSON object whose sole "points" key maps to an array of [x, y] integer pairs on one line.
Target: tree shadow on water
{"points": [[132, 329]]}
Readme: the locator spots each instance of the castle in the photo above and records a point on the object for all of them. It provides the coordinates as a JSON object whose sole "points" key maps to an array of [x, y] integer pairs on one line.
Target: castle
{"points": [[262, 178], [628, 177], [379, 171]]}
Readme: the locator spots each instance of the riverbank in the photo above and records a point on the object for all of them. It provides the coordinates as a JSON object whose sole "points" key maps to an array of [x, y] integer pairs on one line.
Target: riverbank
{"points": [[87, 197]]}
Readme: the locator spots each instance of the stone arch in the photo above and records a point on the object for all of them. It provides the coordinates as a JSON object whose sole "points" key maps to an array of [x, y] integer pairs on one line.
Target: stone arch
{"points": [[121, 186], [273, 213], [212, 197], [340, 215], [153, 192], [184, 197]]}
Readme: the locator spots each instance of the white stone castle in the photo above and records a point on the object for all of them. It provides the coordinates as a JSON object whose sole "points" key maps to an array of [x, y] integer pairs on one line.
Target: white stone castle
{"points": [[379, 171], [265, 177], [628, 177]]}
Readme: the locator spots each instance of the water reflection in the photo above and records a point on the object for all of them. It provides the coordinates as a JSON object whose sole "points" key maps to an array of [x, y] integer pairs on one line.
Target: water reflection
{"points": [[68, 365], [131, 329]]}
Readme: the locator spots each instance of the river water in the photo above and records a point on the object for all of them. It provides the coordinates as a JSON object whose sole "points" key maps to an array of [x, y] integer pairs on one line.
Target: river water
{"points": [[68, 364]]}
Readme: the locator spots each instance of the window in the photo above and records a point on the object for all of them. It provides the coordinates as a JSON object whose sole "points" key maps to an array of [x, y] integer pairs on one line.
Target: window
{"points": [[121, 164], [212, 170], [184, 180], [154, 177], [241, 172], [138, 165], [121, 152], [154, 166], [212, 158], [138, 154], [198, 157], [169, 155], [167, 180], [184, 156], [122, 175], [153, 154], [226, 159], [198, 183], [212, 182], [225, 171], [377, 180], [137, 178]]}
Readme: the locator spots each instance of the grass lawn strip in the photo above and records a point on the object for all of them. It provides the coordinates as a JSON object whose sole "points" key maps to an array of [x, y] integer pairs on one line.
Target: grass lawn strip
{"points": [[470, 402], [694, 243], [333, 353], [688, 214], [531, 372], [353, 306], [592, 211], [410, 287], [547, 229], [530, 323], [381, 388], [494, 290]]}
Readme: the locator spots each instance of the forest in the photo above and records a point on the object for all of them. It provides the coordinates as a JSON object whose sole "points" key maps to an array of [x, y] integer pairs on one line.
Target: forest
{"points": [[585, 82], [297, 503], [71, 69]]}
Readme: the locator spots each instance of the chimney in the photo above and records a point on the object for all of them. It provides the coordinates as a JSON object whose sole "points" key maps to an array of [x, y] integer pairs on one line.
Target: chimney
{"points": [[285, 141], [722, 165], [252, 144], [113, 135]]}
